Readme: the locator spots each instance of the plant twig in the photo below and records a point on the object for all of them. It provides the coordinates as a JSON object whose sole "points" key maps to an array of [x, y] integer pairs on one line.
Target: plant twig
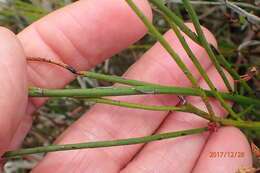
{"points": [[186, 108], [135, 90], [160, 5], [195, 62], [100, 144], [136, 106], [178, 60], [212, 56], [223, 121], [130, 141], [115, 79], [204, 42], [58, 63], [154, 32]]}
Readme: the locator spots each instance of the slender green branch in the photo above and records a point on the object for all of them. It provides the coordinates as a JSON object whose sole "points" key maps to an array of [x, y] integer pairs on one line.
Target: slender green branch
{"points": [[223, 121], [195, 62], [136, 90], [130, 141], [187, 108], [204, 42], [166, 11], [115, 79], [178, 60], [212, 56], [99, 144], [160, 5], [143, 46], [154, 32], [137, 106], [97, 92]]}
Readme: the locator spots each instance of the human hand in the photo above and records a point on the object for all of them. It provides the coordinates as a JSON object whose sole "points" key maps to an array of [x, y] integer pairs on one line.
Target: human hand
{"points": [[83, 35]]}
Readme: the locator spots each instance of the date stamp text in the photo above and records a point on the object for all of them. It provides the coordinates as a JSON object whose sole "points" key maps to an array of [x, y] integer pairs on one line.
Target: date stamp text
{"points": [[226, 154]]}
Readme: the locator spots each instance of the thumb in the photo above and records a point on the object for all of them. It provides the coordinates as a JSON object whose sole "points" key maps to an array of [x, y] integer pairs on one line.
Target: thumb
{"points": [[13, 87]]}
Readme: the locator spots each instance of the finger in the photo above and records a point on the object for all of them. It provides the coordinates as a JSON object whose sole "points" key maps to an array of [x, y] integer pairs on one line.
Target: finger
{"points": [[13, 95], [225, 151], [105, 122], [82, 35], [179, 154]]}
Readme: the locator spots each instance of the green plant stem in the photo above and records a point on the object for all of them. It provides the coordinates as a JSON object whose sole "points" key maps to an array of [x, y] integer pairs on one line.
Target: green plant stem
{"points": [[198, 65], [143, 46], [166, 11], [115, 79], [130, 141], [223, 121], [204, 42], [186, 108], [195, 62], [99, 144], [112, 91], [178, 60], [136, 106], [135, 90], [155, 33], [212, 56]]}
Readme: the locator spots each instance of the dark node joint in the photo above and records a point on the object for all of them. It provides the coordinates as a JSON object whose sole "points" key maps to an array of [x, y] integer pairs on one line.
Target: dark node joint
{"points": [[216, 52], [71, 69], [182, 100]]}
